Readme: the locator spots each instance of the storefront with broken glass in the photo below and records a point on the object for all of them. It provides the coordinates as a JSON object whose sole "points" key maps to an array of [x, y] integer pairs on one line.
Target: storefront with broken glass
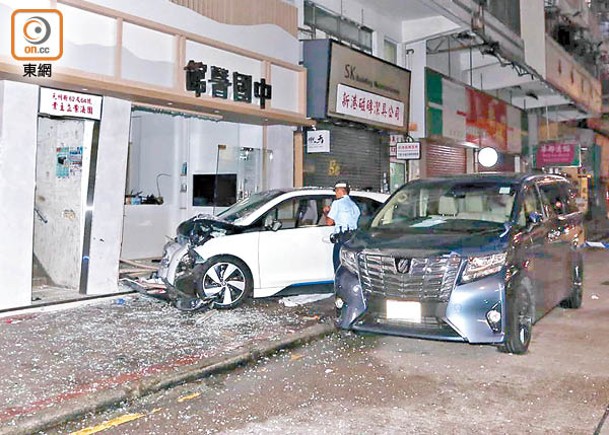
{"points": [[167, 143]]}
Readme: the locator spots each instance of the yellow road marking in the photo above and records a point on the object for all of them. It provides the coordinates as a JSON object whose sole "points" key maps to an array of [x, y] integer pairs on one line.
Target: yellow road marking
{"points": [[189, 397], [108, 424], [296, 357]]}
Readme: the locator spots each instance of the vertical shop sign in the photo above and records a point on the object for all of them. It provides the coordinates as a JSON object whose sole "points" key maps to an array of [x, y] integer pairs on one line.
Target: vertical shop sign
{"points": [[394, 139]]}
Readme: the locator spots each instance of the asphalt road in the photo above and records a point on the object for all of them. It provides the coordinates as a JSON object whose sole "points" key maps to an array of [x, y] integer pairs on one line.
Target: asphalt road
{"points": [[375, 384]]}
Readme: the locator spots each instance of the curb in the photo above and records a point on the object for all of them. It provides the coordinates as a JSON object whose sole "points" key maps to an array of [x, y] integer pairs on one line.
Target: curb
{"points": [[75, 408]]}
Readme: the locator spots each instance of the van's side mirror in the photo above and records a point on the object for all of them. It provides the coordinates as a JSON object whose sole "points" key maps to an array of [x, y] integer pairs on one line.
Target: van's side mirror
{"points": [[535, 217]]}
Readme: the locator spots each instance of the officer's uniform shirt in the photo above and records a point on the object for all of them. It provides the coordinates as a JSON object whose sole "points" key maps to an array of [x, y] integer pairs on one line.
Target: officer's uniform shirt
{"points": [[345, 213]]}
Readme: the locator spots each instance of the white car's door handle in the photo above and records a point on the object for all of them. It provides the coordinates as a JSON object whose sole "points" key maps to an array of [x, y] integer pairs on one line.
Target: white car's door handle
{"points": [[326, 239]]}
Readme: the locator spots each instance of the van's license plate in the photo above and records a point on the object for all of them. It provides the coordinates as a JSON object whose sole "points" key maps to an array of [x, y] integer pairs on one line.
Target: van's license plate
{"points": [[407, 311]]}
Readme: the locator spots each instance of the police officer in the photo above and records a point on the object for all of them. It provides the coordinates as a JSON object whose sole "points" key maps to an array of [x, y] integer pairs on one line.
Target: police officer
{"points": [[343, 214]]}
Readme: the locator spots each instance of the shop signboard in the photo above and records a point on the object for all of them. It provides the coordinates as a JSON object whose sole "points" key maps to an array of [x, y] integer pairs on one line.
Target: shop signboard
{"points": [[463, 114], [370, 107], [394, 139], [408, 150], [71, 104], [366, 89], [218, 84], [318, 141], [557, 154]]}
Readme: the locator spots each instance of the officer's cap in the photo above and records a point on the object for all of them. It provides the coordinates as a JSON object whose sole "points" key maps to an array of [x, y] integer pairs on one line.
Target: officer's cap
{"points": [[343, 185]]}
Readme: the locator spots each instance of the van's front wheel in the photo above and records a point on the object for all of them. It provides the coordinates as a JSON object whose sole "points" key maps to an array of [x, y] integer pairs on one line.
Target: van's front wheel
{"points": [[519, 322]]}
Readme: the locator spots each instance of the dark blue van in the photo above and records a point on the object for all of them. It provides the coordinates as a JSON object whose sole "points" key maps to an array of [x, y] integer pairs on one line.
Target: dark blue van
{"points": [[474, 258]]}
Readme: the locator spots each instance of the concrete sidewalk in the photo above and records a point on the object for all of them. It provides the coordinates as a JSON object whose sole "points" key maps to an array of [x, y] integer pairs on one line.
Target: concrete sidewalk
{"points": [[62, 364]]}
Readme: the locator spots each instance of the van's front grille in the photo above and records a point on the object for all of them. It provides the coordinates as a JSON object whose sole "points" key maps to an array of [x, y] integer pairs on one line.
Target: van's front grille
{"points": [[428, 279]]}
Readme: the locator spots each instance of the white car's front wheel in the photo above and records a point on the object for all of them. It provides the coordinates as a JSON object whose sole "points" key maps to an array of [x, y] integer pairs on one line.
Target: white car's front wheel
{"points": [[225, 278]]}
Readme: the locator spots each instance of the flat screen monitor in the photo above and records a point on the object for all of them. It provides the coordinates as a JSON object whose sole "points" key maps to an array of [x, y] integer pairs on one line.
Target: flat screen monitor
{"points": [[211, 190]]}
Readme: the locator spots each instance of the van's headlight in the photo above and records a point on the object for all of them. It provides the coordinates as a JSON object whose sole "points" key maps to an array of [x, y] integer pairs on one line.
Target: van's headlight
{"points": [[478, 267], [348, 259]]}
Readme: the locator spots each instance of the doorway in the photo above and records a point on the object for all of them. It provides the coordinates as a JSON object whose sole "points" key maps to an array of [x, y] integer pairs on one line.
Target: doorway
{"points": [[65, 168]]}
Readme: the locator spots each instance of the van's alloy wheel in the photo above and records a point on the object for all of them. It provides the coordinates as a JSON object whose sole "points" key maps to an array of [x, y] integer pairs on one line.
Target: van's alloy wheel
{"points": [[519, 322], [226, 279]]}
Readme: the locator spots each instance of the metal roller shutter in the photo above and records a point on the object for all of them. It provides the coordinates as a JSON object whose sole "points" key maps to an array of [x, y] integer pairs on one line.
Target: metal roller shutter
{"points": [[362, 156], [445, 160]]}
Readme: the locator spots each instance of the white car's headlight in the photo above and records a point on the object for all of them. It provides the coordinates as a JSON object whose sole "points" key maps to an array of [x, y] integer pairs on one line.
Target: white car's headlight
{"points": [[348, 259], [478, 267]]}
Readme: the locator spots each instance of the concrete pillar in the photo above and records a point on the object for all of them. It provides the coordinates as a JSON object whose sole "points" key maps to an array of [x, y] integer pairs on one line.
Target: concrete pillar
{"points": [[108, 202], [18, 120]]}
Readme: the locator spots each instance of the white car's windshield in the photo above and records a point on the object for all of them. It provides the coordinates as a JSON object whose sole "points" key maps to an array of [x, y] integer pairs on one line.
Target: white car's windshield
{"points": [[248, 205], [448, 205]]}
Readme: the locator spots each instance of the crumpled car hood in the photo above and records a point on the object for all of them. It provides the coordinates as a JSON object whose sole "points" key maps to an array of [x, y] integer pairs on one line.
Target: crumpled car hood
{"points": [[207, 223]]}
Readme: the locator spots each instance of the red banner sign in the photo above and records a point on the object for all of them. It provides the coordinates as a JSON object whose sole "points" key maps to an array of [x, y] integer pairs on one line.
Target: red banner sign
{"points": [[557, 154]]}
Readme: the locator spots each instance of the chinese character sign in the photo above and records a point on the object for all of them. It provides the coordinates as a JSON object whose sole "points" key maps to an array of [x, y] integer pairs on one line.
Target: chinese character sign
{"points": [[408, 150], [557, 154], [394, 139], [318, 141], [241, 89], [368, 106], [64, 103]]}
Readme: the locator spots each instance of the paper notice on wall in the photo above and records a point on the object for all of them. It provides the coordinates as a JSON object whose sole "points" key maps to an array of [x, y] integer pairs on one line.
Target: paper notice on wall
{"points": [[68, 162]]}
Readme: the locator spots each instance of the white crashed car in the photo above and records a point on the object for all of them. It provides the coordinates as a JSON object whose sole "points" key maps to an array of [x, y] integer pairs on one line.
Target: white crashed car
{"points": [[274, 242]]}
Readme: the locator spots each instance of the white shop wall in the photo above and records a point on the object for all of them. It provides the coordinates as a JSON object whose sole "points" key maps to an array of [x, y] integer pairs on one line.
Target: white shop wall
{"points": [[153, 138], [152, 150], [18, 117]]}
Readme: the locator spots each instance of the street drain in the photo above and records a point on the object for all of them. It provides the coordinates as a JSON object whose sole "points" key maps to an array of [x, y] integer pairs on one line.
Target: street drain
{"points": [[605, 283]]}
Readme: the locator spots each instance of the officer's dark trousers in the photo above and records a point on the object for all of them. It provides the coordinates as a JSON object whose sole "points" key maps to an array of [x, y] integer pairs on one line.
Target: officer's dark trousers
{"points": [[336, 254]]}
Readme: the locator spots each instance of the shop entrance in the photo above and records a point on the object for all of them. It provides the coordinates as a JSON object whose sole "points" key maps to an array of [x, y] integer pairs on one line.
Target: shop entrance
{"points": [[65, 168]]}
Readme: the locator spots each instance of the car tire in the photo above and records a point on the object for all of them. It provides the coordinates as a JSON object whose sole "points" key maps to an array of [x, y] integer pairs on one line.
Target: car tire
{"points": [[519, 322], [225, 278], [574, 301]]}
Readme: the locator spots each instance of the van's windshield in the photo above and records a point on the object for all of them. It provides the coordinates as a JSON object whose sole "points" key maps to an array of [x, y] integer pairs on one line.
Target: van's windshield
{"points": [[448, 205]]}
